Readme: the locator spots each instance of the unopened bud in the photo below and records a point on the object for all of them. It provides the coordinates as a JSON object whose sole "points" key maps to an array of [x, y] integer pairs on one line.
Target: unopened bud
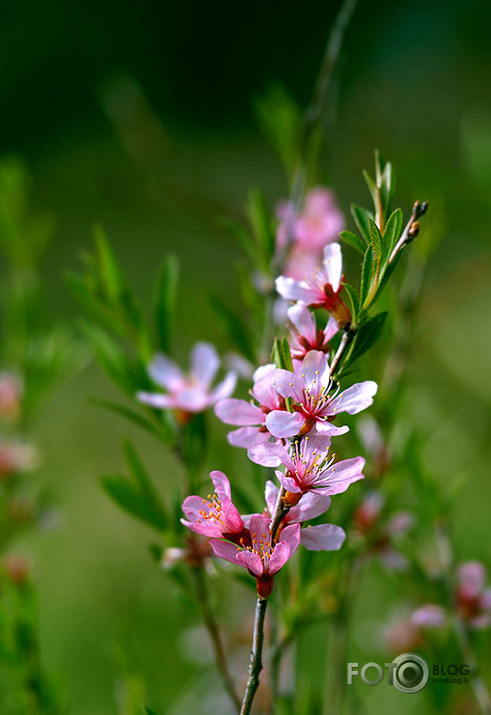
{"points": [[414, 229]]}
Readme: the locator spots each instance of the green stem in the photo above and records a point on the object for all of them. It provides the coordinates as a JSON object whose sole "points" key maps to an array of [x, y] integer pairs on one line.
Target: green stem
{"points": [[255, 663]]}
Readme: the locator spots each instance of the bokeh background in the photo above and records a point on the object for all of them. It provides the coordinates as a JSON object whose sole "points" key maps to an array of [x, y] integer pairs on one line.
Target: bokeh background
{"points": [[139, 116]]}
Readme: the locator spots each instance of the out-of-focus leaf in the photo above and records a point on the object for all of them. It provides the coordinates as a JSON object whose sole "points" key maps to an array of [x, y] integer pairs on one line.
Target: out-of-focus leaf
{"points": [[128, 497], [112, 357], [261, 223], [244, 238], [237, 328], [165, 301], [161, 432], [351, 239], [281, 119], [193, 442], [152, 498]]}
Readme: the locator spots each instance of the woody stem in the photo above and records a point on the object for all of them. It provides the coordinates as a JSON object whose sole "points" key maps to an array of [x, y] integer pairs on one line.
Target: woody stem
{"points": [[255, 663]]}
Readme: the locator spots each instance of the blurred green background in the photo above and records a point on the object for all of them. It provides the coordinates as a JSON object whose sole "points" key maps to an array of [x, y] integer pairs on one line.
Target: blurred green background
{"points": [[139, 115]]}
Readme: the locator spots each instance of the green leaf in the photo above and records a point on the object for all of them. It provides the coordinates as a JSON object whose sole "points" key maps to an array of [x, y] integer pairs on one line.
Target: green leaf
{"points": [[193, 442], [110, 271], [155, 507], [374, 192], [111, 357], [261, 225], [149, 711], [162, 432], [366, 337], [392, 232], [354, 301], [351, 239], [375, 239], [286, 354], [387, 188], [366, 275], [362, 217], [165, 301], [237, 328], [281, 355], [128, 497]]}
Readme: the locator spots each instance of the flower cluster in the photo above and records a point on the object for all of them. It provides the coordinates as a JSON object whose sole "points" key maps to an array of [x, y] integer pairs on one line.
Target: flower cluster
{"points": [[287, 425], [302, 234]]}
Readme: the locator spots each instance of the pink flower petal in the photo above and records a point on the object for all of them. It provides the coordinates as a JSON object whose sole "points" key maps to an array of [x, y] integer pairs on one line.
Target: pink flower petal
{"points": [[250, 561], [310, 506], [429, 616], [337, 478], [315, 371], [269, 454], [284, 424], [355, 399], [323, 537], [221, 484], [290, 289], [271, 495], [288, 385], [224, 388], [291, 536], [331, 329], [204, 363], [303, 321], [323, 428], [247, 436], [279, 557], [225, 550], [161, 402], [238, 412], [333, 265], [166, 373], [288, 483]]}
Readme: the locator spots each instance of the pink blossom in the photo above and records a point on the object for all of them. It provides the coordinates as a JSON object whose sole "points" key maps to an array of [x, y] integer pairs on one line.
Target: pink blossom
{"points": [[309, 387], [265, 556], [252, 416], [191, 393], [322, 537], [216, 516], [429, 616], [318, 223], [304, 335], [473, 600], [15, 458], [10, 395], [308, 466], [322, 288]]}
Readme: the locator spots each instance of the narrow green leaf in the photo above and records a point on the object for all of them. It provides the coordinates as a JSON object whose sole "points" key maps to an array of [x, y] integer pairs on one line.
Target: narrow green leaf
{"points": [[111, 357], [129, 498], [261, 225], [165, 302], [392, 232], [374, 191], [145, 484], [162, 433], [366, 337], [354, 301], [375, 239], [351, 239], [110, 271], [366, 274], [286, 354]]}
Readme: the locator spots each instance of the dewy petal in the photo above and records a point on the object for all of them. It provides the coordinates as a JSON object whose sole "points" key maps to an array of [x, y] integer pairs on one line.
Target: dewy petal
{"points": [[166, 373], [161, 402], [270, 454], [337, 478], [284, 424], [251, 561], [288, 385], [315, 371], [303, 321], [310, 506], [290, 289], [333, 265], [323, 537], [224, 388], [238, 412], [225, 550], [247, 436], [355, 399], [204, 363]]}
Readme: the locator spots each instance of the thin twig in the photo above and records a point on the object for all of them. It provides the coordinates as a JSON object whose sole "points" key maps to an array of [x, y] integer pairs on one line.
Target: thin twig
{"points": [[411, 229], [255, 663], [203, 598]]}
